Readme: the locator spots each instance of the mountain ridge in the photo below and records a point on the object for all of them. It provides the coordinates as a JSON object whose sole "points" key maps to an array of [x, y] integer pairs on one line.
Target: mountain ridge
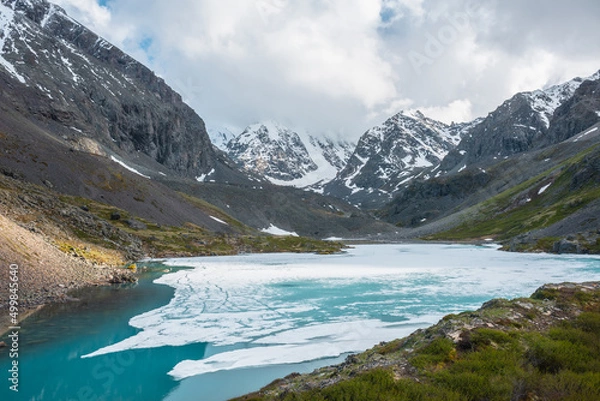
{"points": [[391, 154]]}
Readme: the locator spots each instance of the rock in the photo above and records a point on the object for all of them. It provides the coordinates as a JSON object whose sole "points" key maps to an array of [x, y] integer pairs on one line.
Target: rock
{"points": [[115, 216], [85, 208], [122, 276], [566, 246], [135, 224], [48, 184], [11, 173]]}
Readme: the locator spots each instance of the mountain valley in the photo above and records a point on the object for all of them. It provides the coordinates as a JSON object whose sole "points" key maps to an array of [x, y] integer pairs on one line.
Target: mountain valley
{"points": [[85, 124]]}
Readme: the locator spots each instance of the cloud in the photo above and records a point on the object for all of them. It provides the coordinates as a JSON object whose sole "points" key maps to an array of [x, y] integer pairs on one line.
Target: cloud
{"points": [[456, 111], [88, 12], [343, 66]]}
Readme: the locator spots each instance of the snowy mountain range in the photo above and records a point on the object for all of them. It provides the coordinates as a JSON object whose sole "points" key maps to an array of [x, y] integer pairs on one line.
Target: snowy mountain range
{"points": [[405, 147], [285, 156]]}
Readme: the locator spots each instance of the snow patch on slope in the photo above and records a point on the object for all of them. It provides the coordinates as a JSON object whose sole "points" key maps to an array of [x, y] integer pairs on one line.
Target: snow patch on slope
{"points": [[273, 230], [126, 167], [7, 16]]}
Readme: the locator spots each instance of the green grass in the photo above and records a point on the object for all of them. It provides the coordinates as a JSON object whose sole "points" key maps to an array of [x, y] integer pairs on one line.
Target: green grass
{"points": [[499, 217], [190, 239]]}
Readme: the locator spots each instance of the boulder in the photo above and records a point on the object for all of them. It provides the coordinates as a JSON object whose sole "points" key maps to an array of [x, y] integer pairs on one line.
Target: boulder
{"points": [[566, 246]]}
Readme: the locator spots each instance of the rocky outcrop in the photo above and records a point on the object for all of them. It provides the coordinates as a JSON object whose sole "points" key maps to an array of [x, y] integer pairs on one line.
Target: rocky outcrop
{"points": [[121, 276]]}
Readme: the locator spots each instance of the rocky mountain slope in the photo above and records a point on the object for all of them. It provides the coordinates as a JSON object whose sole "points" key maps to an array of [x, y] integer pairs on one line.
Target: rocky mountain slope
{"points": [[286, 157], [542, 347], [90, 95], [524, 122], [539, 187], [392, 154]]}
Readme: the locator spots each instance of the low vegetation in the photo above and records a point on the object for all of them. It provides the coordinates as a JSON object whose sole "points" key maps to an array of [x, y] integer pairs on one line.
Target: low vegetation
{"points": [[534, 204], [546, 347], [103, 234]]}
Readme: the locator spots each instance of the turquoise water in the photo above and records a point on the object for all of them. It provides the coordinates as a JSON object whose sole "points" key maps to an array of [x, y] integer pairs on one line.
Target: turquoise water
{"points": [[222, 327]]}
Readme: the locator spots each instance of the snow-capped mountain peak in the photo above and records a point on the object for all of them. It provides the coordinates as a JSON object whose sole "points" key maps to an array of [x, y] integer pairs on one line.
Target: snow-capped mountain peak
{"points": [[220, 136], [392, 153], [546, 101], [288, 157]]}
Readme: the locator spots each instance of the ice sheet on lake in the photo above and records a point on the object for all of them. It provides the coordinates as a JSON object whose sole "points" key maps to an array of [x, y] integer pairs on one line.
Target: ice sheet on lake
{"points": [[288, 308], [295, 346]]}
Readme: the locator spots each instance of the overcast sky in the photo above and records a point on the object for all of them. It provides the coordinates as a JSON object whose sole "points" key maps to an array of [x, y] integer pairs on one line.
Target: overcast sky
{"points": [[342, 66]]}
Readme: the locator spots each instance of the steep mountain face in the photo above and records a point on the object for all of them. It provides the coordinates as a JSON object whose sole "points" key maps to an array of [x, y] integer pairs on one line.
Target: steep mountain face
{"points": [[93, 97], [287, 157], [524, 122], [390, 155], [576, 114]]}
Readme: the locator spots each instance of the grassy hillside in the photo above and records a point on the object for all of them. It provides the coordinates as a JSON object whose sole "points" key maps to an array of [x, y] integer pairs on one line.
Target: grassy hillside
{"points": [[546, 347], [540, 202]]}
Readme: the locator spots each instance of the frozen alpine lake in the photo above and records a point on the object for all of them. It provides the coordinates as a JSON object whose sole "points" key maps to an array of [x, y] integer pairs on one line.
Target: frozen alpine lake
{"points": [[259, 311], [214, 328]]}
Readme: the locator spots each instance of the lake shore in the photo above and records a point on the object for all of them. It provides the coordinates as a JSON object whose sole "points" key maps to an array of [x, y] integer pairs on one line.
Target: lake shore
{"points": [[373, 293]]}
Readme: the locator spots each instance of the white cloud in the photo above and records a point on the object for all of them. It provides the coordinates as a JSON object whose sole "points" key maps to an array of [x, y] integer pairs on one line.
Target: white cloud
{"points": [[456, 111], [88, 12], [96, 17], [344, 66]]}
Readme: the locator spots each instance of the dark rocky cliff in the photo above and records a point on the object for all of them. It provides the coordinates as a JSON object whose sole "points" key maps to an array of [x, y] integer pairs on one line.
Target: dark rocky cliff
{"points": [[82, 88]]}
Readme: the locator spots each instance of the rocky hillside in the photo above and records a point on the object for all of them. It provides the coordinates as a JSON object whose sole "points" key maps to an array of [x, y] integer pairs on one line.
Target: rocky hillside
{"points": [[392, 154], [542, 347], [540, 187], [91, 96]]}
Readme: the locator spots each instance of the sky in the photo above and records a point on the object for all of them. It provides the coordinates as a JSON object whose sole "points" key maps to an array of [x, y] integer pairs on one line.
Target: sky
{"points": [[339, 67]]}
